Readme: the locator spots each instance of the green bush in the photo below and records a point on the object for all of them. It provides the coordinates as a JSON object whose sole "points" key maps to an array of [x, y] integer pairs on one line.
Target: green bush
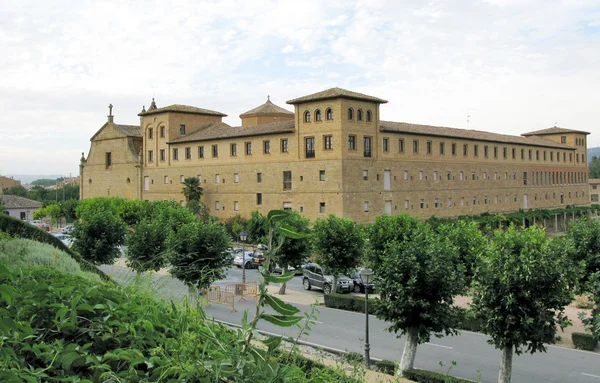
{"points": [[424, 376], [466, 320], [352, 357], [583, 341], [386, 366], [20, 229], [349, 302]]}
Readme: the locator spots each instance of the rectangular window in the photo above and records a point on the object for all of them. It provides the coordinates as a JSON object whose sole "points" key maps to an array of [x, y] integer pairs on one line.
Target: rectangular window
{"points": [[215, 151], [162, 131], [367, 143], [150, 156], [453, 149], [236, 177], [182, 129], [236, 206], [258, 177], [415, 146], [530, 156], [321, 207], [495, 152], [287, 180], [181, 179], [248, 148], [162, 154], [146, 183], [309, 146], [328, 142], [449, 176], [476, 150], [401, 145], [473, 176], [284, 145], [259, 198], [429, 144], [422, 204], [436, 203], [563, 139], [188, 153], [233, 149], [522, 154], [365, 175], [176, 154], [420, 175], [505, 152], [514, 153], [166, 179], [351, 142], [486, 151], [108, 160], [435, 175], [321, 175], [150, 133], [200, 151], [386, 147], [442, 148], [366, 206], [266, 147], [449, 202], [217, 205], [406, 204], [524, 178], [465, 149], [462, 176], [537, 155], [406, 175], [217, 179]]}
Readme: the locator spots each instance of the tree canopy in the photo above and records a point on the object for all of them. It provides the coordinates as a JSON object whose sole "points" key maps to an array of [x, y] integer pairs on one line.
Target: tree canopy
{"points": [[98, 237], [594, 167]]}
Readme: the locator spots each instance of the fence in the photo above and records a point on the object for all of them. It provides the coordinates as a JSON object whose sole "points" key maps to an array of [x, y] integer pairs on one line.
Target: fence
{"points": [[216, 295], [243, 289]]}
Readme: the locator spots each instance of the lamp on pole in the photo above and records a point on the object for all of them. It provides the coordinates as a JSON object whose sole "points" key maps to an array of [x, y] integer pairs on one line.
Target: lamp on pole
{"points": [[243, 237], [366, 277]]}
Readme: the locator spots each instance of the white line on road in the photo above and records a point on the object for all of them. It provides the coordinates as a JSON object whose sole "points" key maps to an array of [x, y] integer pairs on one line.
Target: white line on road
{"points": [[318, 322], [593, 376], [439, 345]]}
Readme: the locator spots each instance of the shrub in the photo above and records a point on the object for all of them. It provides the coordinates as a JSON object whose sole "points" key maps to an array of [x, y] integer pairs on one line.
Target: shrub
{"points": [[352, 357], [583, 302], [386, 366], [583, 341], [349, 302], [424, 376], [17, 228], [466, 320]]}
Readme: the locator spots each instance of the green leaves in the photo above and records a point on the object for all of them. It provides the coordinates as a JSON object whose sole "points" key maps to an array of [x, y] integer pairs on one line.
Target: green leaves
{"points": [[280, 306], [269, 277], [281, 320], [275, 216]]}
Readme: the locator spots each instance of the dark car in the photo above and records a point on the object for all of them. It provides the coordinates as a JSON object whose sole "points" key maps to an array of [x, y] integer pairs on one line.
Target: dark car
{"points": [[359, 286], [317, 276], [258, 258]]}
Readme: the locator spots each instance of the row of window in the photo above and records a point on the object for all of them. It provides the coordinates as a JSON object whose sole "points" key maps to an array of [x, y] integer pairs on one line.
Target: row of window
{"points": [[329, 115], [259, 202], [537, 178], [162, 131]]}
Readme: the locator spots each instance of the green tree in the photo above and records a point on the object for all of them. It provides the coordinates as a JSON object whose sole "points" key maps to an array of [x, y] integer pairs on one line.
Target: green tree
{"points": [[419, 275], [18, 190], [521, 290], [257, 228], [338, 244], [293, 251], [98, 237], [146, 245], [585, 236], [197, 253], [592, 323], [200, 210], [44, 182], [39, 193], [68, 208], [51, 210], [192, 189], [230, 222], [2, 205], [594, 167]]}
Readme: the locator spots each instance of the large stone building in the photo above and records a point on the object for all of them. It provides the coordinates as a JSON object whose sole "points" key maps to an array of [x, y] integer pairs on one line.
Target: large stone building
{"points": [[594, 190], [333, 154], [6, 182]]}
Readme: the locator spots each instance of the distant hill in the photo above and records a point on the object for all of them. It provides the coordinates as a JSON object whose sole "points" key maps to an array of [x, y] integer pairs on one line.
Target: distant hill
{"points": [[27, 179], [593, 152]]}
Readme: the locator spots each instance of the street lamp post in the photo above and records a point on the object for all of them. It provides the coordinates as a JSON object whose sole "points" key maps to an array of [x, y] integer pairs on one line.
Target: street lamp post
{"points": [[243, 236], [366, 277]]}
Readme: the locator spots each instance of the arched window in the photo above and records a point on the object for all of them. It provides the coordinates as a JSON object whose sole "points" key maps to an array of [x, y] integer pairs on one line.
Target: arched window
{"points": [[307, 116], [350, 113], [359, 115], [329, 114], [318, 116], [368, 116]]}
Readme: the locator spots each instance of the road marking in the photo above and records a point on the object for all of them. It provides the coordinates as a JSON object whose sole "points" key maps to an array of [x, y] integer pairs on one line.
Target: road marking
{"points": [[318, 322], [593, 376], [439, 345]]}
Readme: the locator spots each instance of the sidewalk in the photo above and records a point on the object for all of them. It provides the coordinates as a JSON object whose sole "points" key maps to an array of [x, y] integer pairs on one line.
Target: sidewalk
{"points": [[292, 296]]}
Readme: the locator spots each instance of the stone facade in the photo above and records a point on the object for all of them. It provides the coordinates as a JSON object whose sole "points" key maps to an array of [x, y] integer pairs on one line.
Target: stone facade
{"points": [[334, 155], [6, 182], [594, 190]]}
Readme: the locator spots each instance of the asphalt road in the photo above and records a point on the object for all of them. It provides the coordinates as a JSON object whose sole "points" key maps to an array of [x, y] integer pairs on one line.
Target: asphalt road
{"points": [[475, 359]]}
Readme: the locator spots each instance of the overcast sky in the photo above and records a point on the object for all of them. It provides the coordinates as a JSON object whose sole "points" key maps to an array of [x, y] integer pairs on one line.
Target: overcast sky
{"points": [[513, 66]]}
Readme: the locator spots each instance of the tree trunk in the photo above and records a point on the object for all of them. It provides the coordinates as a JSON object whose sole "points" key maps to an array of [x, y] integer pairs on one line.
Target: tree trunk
{"points": [[410, 351], [283, 285], [334, 284], [505, 365]]}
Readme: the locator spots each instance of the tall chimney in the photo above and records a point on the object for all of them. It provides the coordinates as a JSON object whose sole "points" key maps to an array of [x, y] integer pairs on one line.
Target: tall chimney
{"points": [[110, 115]]}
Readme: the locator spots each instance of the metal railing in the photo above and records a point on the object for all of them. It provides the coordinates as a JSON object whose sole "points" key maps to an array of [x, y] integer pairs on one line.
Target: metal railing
{"points": [[216, 295]]}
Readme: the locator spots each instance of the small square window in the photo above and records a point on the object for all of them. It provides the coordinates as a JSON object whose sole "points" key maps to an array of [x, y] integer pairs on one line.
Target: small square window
{"points": [[321, 207], [321, 175]]}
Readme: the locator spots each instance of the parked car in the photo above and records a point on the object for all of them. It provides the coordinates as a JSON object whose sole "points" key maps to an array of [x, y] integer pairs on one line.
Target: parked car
{"points": [[359, 286], [67, 229], [64, 238], [41, 224], [278, 269], [317, 276], [234, 252], [258, 258], [246, 259]]}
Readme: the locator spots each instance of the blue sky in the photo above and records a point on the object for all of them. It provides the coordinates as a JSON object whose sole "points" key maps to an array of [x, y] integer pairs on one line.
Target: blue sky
{"points": [[512, 65]]}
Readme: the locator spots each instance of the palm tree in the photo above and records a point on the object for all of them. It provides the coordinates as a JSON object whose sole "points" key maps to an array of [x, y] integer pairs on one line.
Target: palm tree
{"points": [[192, 189]]}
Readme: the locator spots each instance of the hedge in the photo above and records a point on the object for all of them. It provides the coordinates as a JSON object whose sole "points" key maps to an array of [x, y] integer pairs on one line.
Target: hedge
{"points": [[583, 341], [309, 365], [386, 366], [349, 302], [424, 376], [17, 228]]}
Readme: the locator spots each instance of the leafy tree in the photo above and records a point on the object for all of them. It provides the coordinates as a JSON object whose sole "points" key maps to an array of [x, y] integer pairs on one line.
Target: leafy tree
{"points": [[200, 210], [18, 190], [68, 208], [2, 205], [257, 227], [98, 237], [146, 246], [469, 240], [51, 210], [338, 244], [197, 253], [293, 251], [594, 167], [44, 182], [39, 193], [130, 211], [192, 189], [419, 275], [521, 290], [230, 222], [585, 236]]}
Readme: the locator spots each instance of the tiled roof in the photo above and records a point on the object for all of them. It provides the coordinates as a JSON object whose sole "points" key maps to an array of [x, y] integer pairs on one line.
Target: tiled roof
{"points": [[336, 93], [221, 130], [553, 130], [130, 130], [16, 202], [403, 127], [266, 108], [182, 109]]}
